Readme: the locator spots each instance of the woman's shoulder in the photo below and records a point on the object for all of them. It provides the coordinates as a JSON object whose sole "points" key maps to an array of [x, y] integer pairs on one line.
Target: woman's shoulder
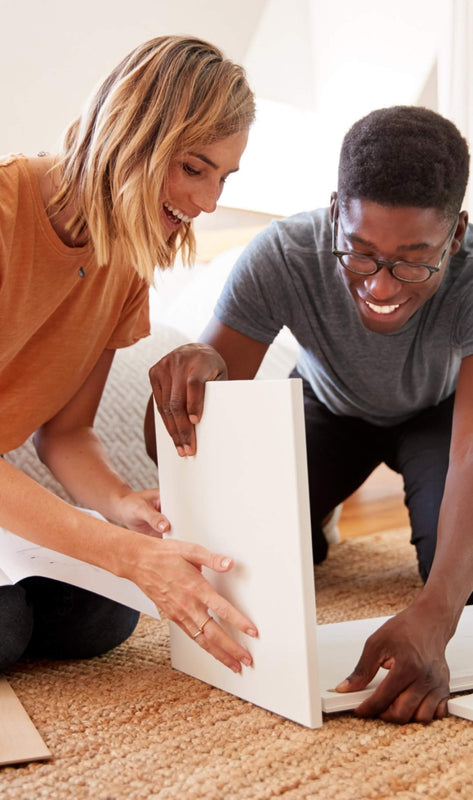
{"points": [[17, 169], [12, 180], [11, 167]]}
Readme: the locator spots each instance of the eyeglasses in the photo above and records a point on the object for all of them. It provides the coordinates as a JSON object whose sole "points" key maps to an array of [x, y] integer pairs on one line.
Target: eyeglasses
{"points": [[401, 270]]}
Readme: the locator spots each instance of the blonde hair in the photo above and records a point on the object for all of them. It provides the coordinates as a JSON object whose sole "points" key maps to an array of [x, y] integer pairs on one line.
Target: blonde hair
{"points": [[167, 95]]}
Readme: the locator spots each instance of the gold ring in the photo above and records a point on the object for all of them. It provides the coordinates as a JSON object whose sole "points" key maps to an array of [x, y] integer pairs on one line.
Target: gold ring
{"points": [[201, 629]]}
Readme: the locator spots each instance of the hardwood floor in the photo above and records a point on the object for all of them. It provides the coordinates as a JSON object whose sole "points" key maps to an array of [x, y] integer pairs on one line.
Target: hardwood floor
{"points": [[378, 505]]}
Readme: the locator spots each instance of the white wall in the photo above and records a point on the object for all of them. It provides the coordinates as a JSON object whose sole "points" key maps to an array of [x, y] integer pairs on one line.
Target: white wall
{"points": [[316, 66], [351, 57], [53, 52]]}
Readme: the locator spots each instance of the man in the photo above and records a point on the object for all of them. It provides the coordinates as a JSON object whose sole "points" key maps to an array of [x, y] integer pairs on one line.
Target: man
{"points": [[378, 291]]}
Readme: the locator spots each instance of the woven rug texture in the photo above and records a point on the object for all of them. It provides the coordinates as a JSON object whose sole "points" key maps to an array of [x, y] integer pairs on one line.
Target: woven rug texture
{"points": [[126, 726]]}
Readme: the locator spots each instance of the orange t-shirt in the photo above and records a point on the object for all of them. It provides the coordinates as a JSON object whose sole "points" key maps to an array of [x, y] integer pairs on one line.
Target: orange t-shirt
{"points": [[58, 309]]}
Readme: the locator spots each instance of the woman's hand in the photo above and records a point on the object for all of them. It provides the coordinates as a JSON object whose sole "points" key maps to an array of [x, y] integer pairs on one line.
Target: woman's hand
{"points": [[141, 511], [178, 381], [169, 572]]}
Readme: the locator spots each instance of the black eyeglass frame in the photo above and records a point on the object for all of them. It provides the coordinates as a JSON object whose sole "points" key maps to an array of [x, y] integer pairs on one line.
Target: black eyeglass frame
{"points": [[379, 263]]}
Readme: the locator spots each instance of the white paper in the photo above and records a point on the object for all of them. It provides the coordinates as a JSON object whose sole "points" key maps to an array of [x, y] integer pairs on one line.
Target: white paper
{"points": [[21, 559]]}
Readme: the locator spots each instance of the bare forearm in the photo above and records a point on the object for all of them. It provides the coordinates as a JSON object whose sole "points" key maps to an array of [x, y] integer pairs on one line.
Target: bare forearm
{"points": [[79, 462], [451, 578], [168, 571], [29, 510]]}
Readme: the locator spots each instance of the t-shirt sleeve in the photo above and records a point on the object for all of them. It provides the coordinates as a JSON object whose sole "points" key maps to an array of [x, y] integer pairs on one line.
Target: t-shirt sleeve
{"points": [[463, 335], [462, 330], [252, 300], [134, 323]]}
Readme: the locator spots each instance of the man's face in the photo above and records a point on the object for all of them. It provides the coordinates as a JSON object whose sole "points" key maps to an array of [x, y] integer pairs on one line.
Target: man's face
{"points": [[415, 235]]}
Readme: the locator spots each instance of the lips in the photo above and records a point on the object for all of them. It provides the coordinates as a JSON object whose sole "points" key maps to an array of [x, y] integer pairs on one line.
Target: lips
{"points": [[382, 309], [175, 215]]}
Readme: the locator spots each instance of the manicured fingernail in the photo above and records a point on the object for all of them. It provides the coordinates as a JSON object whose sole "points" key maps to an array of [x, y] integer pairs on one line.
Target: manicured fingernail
{"points": [[252, 632], [225, 562], [193, 418], [343, 686], [246, 661], [188, 450], [163, 526], [236, 668], [180, 450]]}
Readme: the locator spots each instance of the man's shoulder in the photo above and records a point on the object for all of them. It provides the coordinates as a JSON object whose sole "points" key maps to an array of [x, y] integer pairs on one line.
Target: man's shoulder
{"points": [[467, 244], [305, 232], [312, 223]]}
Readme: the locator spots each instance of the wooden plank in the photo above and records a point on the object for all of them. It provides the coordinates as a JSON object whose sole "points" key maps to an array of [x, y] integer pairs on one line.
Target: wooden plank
{"points": [[19, 739]]}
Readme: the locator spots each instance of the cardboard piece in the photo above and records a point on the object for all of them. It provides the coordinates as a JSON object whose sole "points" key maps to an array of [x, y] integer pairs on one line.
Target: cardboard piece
{"points": [[19, 739]]}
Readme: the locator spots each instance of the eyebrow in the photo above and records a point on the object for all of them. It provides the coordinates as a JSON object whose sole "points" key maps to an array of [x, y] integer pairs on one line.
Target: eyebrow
{"points": [[352, 237], [208, 161]]}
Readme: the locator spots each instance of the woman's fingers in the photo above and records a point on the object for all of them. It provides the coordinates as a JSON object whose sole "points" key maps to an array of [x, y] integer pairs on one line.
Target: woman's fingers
{"points": [[173, 580], [201, 557], [219, 644]]}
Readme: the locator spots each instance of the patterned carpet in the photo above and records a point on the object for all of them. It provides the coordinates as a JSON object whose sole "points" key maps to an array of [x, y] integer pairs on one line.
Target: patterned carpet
{"points": [[127, 727]]}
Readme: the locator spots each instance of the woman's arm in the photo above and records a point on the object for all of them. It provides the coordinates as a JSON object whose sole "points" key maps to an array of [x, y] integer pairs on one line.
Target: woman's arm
{"points": [[168, 571], [71, 449]]}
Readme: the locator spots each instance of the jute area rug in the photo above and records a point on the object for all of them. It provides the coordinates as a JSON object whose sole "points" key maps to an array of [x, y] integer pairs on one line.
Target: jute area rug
{"points": [[126, 726]]}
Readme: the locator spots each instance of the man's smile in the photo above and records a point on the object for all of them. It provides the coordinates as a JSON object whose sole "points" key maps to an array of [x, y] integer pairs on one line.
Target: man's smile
{"points": [[382, 309]]}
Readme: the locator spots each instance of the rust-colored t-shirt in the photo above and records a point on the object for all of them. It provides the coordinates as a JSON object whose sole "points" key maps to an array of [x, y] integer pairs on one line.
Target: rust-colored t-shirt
{"points": [[58, 309]]}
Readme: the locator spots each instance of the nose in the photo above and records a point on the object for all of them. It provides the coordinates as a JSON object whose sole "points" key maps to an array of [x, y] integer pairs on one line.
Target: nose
{"points": [[382, 285], [205, 197]]}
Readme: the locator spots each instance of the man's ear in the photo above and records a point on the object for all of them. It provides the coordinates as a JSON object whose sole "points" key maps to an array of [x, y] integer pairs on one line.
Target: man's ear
{"points": [[459, 233]]}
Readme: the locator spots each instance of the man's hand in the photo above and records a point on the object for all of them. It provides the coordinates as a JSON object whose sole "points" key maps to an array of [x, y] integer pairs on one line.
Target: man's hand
{"points": [[178, 381], [412, 648]]}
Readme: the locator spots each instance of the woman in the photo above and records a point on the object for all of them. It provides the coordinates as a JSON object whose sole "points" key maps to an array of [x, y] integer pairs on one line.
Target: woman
{"points": [[80, 235]]}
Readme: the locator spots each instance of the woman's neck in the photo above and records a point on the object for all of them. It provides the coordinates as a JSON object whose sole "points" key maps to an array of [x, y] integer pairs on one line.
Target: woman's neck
{"points": [[47, 173]]}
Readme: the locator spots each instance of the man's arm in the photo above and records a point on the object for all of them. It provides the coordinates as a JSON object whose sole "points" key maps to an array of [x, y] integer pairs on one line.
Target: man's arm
{"points": [[412, 644], [178, 380]]}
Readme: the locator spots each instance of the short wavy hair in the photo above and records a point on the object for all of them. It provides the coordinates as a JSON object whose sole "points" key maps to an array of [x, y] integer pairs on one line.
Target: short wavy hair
{"points": [[167, 95], [405, 156]]}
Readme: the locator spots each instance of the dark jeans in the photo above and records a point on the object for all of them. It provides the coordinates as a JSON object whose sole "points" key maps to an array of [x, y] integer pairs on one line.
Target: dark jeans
{"points": [[343, 451], [44, 618]]}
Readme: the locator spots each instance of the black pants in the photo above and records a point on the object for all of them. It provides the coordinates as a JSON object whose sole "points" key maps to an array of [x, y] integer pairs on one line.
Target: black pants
{"points": [[343, 451], [45, 618]]}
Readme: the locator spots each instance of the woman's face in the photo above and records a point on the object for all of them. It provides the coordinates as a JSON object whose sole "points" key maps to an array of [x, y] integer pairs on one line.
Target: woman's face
{"points": [[196, 179]]}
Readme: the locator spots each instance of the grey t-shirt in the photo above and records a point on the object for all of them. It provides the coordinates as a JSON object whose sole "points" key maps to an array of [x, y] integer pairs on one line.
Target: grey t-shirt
{"points": [[288, 276]]}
